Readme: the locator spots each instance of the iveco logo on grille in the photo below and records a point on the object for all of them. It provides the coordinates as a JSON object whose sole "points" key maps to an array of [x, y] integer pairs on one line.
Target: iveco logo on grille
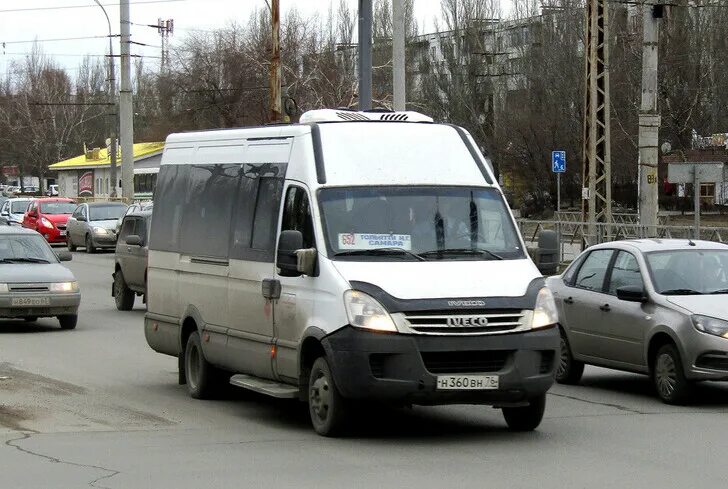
{"points": [[466, 303], [467, 321]]}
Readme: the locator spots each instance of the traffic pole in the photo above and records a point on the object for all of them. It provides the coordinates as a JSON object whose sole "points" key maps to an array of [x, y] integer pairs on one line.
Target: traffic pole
{"points": [[365, 54], [126, 110], [398, 55]]}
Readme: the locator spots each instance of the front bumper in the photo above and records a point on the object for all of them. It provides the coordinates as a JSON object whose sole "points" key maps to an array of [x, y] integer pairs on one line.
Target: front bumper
{"points": [[61, 304], [104, 240], [392, 367], [53, 235], [707, 357]]}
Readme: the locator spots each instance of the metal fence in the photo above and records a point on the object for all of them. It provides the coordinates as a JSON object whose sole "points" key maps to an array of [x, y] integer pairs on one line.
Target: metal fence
{"points": [[575, 236]]}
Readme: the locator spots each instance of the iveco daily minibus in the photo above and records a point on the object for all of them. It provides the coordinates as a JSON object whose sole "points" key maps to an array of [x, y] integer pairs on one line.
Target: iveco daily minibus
{"points": [[352, 256]]}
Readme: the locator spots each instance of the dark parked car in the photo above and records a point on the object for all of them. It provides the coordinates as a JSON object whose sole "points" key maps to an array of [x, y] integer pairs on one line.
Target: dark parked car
{"points": [[130, 268], [93, 225]]}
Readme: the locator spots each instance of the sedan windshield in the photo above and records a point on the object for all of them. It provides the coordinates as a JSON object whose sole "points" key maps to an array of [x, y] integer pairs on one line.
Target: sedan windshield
{"points": [[19, 206], [417, 223], [25, 248], [57, 207], [689, 272], [106, 212]]}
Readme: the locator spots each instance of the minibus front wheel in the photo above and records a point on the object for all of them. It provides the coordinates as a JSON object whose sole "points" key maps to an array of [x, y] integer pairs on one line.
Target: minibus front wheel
{"points": [[328, 409]]}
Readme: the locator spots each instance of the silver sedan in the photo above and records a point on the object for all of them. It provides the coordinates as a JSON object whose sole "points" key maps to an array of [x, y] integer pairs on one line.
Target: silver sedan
{"points": [[657, 307], [33, 283]]}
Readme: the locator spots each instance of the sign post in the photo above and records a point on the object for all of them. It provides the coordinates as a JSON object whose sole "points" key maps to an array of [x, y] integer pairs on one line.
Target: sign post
{"points": [[558, 166]]}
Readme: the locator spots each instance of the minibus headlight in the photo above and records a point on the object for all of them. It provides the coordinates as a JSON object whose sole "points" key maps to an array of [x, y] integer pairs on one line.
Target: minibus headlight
{"points": [[707, 324], [545, 313], [365, 312]]}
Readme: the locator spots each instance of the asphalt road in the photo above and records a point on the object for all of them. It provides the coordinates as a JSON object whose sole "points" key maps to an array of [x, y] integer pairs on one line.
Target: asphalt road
{"points": [[95, 407]]}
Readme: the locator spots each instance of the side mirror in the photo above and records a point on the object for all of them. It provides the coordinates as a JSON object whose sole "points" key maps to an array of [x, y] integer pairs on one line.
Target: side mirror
{"points": [[33, 214], [547, 253], [631, 293], [64, 255], [134, 240], [286, 257]]}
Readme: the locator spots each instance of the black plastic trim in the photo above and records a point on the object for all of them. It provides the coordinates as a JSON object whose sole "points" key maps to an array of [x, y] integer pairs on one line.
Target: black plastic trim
{"points": [[318, 154], [395, 304], [473, 152]]}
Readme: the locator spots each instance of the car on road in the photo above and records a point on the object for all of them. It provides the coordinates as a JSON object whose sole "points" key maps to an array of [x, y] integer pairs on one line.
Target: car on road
{"points": [[652, 306], [93, 225], [49, 217], [13, 210], [33, 283], [354, 257], [52, 191], [130, 260]]}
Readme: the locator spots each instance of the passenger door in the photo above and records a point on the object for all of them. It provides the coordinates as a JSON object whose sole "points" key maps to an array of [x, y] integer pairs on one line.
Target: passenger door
{"points": [[122, 249], [73, 225], [624, 324], [295, 308], [30, 220], [582, 301], [137, 256]]}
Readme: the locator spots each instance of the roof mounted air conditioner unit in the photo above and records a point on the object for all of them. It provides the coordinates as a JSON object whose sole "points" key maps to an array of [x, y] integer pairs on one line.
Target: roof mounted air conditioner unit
{"points": [[343, 115]]}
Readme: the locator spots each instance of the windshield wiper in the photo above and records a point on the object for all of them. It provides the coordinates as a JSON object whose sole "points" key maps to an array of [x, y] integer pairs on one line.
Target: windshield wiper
{"points": [[719, 291], [381, 251], [23, 260], [681, 292], [463, 251]]}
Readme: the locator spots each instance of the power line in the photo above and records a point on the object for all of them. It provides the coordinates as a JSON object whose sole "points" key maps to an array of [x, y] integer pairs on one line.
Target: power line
{"points": [[59, 39], [67, 7], [80, 55]]}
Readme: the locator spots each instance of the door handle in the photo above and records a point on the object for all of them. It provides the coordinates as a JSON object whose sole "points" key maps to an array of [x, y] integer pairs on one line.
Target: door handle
{"points": [[605, 308], [569, 300]]}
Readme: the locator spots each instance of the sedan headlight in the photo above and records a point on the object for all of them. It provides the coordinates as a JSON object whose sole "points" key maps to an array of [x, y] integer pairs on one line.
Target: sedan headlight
{"points": [[4, 288], [64, 287], [545, 313], [709, 325], [365, 312], [98, 230]]}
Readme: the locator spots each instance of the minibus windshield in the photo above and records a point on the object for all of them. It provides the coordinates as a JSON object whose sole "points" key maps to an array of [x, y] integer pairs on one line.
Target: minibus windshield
{"points": [[418, 223]]}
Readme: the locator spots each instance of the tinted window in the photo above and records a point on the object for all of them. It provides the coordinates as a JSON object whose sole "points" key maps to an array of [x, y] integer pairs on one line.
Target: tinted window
{"points": [[207, 210], [678, 272], [625, 272], [592, 272], [297, 215], [24, 247], [106, 212], [243, 212], [19, 206], [128, 228], [169, 198], [266, 214], [78, 212]]}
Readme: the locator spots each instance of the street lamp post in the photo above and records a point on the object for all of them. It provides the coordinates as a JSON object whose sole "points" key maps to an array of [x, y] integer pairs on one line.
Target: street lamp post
{"points": [[112, 107]]}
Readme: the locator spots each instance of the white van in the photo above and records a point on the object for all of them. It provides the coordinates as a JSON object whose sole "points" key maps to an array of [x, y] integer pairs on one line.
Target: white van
{"points": [[353, 256]]}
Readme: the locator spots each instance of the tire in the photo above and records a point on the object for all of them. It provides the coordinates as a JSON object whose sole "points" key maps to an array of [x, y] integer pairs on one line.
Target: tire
{"points": [[123, 295], [669, 377], [568, 371], [202, 379], [70, 245], [526, 418], [30, 319], [90, 244], [329, 411], [69, 321]]}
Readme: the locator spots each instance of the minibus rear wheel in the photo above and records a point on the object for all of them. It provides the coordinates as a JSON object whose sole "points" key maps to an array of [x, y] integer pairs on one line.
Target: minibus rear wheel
{"points": [[328, 409], [202, 378]]}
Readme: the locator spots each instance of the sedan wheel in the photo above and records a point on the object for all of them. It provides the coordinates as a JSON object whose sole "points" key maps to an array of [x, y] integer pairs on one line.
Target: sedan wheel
{"points": [[90, 245], [668, 376], [568, 371], [69, 243]]}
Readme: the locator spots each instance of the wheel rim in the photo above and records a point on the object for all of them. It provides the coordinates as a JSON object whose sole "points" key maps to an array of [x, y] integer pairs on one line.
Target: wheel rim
{"points": [[564, 360], [320, 397], [665, 375], [193, 367]]}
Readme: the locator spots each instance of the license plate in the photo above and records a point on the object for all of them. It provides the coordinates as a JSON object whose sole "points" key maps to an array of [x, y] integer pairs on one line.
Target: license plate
{"points": [[62, 233], [30, 301], [467, 382]]}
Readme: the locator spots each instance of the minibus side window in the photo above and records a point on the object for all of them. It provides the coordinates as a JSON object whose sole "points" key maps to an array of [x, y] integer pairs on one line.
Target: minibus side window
{"points": [[297, 215], [266, 213], [169, 197]]}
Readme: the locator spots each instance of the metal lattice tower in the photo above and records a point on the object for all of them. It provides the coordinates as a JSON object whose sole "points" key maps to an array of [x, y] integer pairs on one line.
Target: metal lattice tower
{"points": [[597, 178], [165, 28]]}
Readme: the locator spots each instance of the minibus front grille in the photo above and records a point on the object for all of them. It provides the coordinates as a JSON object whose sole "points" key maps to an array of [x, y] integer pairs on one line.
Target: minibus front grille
{"points": [[470, 322], [460, 362]]}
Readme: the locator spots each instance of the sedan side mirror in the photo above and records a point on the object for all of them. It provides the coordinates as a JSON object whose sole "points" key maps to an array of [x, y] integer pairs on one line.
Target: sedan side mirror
{"points": [[64, 255], [287, 260], [134, 240], [82, 218], [631, 293]]}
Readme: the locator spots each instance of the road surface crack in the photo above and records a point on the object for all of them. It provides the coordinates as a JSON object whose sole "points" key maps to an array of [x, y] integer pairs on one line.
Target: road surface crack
{"points": [[26, 436], [606, 404]]}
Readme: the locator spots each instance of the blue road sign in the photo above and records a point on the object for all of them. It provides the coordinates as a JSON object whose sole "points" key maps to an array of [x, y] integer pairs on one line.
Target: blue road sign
{"points": [[558, 161]]}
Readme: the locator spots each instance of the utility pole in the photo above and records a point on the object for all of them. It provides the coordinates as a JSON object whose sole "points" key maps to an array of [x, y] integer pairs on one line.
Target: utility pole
{"points": [[365, 54], [114, 115], [596, 176], [126, 108], [275, 64], [649, 120], [398, 55]]}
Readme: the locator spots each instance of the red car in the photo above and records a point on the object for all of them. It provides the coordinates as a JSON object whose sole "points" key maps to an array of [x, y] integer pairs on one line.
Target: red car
{"points": [[48, 216]]}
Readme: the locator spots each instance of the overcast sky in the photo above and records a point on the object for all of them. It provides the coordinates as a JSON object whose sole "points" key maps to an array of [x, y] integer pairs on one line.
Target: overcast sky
{"points": [[26, 20]]}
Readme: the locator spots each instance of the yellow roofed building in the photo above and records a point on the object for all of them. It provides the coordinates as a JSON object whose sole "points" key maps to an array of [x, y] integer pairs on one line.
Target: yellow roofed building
{"points": [[88, 175]]}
